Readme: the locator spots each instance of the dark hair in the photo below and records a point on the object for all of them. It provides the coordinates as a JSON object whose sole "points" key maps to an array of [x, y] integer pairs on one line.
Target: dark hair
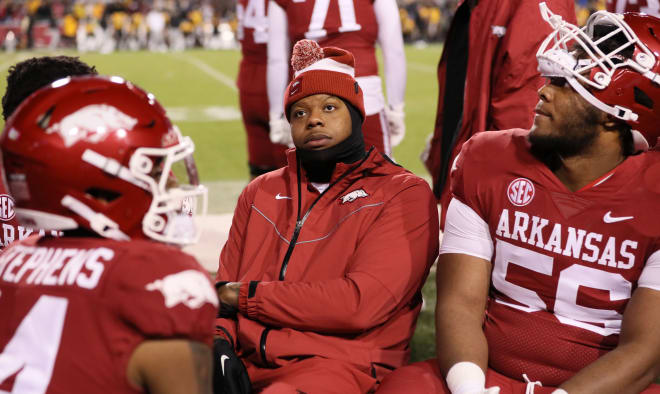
{"points": [[28, 76]]}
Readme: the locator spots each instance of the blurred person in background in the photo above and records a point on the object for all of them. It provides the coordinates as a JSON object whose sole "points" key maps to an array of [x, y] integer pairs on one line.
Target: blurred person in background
{"points": [[252, 32], [353, 25], [156, 22], [487, 77], [38, 11]]}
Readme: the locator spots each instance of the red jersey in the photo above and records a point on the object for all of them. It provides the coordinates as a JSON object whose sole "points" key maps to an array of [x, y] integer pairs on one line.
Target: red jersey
{"points": [[252, 28], [10, 228], [651, 7], [253, 35], [11, 231], [565, 263], [346, 24], [74, 309]]}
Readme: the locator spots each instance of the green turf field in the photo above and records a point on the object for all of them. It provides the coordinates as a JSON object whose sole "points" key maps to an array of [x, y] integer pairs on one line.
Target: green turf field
{"points": [[197, 87]]}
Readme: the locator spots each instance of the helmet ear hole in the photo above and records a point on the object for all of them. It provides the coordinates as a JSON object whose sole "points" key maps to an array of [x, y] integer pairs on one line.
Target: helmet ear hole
{"points": [[642, 98], [44, 120], [104, 195]]}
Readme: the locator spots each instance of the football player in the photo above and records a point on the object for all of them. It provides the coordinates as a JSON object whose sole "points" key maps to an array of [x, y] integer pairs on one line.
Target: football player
{"points": [[353, 25], [23, 79], [113, 305], [263, 155], [554, 231]]}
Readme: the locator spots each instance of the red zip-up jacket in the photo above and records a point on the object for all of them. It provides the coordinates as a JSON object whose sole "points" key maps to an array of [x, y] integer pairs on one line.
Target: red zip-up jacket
{"points": [[349, 287]]}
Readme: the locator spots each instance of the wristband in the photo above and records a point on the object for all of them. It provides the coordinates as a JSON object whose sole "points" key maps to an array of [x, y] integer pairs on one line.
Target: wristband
{"points": [[466, 377], [560, 391]]}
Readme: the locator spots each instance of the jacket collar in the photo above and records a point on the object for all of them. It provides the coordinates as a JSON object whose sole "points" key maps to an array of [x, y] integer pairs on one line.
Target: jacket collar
{"points": [[375, 163]]}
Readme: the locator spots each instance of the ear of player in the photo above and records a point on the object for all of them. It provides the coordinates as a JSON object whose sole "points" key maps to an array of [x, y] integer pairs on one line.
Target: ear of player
{"points": [[100, 154], [622, 80]]}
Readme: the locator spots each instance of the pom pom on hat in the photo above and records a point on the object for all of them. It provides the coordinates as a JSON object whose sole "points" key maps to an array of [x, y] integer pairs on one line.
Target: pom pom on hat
{"points": [[319, 70], [305, 53]]}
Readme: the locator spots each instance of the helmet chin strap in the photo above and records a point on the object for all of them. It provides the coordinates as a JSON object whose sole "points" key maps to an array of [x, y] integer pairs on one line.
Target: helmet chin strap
{"points": [[618, 112], [98, 222]]}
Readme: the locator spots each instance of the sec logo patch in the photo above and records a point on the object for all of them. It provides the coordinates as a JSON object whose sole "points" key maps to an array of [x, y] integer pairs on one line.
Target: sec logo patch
{"points": [[520, 192], [6, 207]]}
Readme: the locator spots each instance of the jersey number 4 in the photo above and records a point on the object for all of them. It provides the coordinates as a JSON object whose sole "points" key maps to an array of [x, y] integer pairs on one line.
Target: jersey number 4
{"points": [[26, 363], [253, 17], [601, 321]]}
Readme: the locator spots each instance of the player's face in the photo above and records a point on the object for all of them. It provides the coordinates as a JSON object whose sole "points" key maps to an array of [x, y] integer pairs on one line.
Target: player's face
{"points": [[319, 122], [565, 123]]}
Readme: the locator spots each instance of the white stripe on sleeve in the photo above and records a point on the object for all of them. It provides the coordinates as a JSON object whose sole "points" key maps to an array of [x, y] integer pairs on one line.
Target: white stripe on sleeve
{"points": [[466, 232], [650, 276]]}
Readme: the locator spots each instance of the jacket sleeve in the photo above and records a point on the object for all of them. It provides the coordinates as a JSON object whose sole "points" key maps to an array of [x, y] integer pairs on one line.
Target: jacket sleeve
{"points": [[515, 80], [230, 258], [388, 268]]}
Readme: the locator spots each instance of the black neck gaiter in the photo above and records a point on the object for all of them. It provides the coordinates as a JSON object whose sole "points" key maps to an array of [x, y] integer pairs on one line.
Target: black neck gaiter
{"points": [[319, 164]]}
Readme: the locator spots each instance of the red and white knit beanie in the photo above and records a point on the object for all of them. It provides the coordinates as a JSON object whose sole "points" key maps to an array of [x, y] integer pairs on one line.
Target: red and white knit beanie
{"points": [[322, 70]]}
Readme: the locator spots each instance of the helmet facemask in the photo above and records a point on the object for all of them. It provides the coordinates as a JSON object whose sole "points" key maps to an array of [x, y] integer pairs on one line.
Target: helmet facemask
{"points": [[175, 204]]}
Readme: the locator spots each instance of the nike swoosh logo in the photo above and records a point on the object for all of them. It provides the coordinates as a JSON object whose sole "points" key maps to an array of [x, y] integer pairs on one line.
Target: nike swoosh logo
{"points": [[608, 218], [281, 197], [223, 358]]}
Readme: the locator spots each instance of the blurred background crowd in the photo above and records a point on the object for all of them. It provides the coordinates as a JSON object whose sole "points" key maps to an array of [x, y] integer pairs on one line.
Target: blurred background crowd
{"points": [[109, 25]]}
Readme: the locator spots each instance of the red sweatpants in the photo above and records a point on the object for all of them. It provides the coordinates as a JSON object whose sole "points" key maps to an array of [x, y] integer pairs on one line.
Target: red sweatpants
{"points": [[311, 375], [262, 154], [425, 377]]}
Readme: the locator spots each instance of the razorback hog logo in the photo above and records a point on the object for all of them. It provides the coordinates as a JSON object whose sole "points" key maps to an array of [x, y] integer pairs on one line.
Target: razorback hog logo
{"points": [[190, 288], [91, 123], [6, 207], [354, 195]]}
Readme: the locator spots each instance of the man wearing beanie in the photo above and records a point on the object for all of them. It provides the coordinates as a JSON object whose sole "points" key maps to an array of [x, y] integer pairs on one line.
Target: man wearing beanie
{"points": [[320, 278]]}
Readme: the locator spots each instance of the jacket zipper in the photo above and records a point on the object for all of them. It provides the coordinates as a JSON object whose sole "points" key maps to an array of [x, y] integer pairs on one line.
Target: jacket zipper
{"points": [[262, 345], [301, 221]]}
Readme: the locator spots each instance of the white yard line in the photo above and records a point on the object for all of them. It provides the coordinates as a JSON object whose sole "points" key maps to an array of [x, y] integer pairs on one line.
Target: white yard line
{"points": [[203, 114], [210, 71]]}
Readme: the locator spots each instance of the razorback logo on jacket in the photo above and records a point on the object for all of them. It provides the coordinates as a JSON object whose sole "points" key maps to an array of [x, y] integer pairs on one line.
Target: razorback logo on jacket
{"points": [[354, 195]]}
